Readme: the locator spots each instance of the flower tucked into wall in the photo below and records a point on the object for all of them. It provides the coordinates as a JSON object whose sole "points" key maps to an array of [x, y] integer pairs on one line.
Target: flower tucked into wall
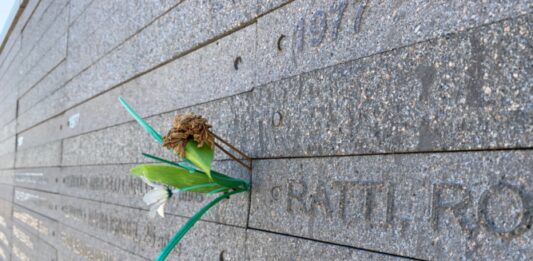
{"points": [[193, 142]]}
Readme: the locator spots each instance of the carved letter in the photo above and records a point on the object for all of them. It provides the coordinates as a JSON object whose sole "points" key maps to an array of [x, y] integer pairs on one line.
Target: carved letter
{"points": [[487, 222], [298, 195], [458, 207]]}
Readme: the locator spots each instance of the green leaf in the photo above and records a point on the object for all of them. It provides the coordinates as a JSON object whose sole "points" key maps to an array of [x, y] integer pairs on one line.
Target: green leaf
{"points": [[141, 121], [179, 178], [218, 177], [201, 157]]}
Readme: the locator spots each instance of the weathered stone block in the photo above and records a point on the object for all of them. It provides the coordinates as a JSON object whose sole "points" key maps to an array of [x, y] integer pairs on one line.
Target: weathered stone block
{"points": [[304, 36], [47, 155], [472, 205], [268, 246]]}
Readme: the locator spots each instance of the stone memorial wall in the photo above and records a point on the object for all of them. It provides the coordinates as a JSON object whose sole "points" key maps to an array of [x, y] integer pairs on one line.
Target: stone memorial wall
{"points": [[379, 130]]}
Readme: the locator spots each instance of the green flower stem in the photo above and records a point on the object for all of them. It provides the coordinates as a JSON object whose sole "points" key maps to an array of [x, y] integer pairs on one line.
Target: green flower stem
{"points": [[141, 121], [216, 190], [185, 228], [200, 186]]}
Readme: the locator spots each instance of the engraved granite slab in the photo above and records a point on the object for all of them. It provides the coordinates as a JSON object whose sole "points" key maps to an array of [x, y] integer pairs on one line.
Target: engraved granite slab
{"points": [[475, 205], [70, 243], [303, 36], [115, 184]]}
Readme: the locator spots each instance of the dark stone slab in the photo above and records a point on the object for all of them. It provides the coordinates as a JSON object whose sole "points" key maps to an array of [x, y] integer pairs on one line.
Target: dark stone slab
{"points": [[469, 90], [212, 72], [410, 99], [172, 35], [268, 246], [474, 205]]}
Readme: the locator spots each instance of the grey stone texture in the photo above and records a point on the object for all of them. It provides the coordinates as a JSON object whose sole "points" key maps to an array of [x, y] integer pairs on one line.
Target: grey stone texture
{"points": [[379, 130], [269, 246], [474, 205]]}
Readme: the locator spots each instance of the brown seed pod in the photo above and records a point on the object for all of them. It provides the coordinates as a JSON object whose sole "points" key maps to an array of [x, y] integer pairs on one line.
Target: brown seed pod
{"points": [[185, 127]]}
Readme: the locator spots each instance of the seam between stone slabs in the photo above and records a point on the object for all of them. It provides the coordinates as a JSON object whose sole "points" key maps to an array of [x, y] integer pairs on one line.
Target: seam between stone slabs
{"points": [[30, 16], [36, 7], [80, 13], [300, 157], [334, 244], [120, 205], [253, 87], [170, 60], [74, 228]]}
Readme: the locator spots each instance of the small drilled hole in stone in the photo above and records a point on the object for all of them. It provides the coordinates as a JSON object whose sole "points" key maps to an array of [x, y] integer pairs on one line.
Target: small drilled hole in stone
{"points": [[57, 180], [222, 254], [53, 233], [280, 42], [60, 126], [236, 63], [277, 119]]}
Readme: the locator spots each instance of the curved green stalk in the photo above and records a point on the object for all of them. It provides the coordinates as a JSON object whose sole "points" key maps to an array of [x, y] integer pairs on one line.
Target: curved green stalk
{"points": [[141, 121], [185, 228]]}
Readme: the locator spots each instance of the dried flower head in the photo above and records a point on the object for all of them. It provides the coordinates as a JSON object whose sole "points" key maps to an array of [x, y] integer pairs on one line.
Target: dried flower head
{"points": [[188, 126]]}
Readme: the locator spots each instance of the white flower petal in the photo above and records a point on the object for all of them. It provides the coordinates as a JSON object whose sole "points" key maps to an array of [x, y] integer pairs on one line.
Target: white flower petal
{"points": [[155, 207], [161, 209], [154, 196]]}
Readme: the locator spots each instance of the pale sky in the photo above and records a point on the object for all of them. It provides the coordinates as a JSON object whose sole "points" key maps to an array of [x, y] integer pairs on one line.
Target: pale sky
{"points": [[7, 12]]}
